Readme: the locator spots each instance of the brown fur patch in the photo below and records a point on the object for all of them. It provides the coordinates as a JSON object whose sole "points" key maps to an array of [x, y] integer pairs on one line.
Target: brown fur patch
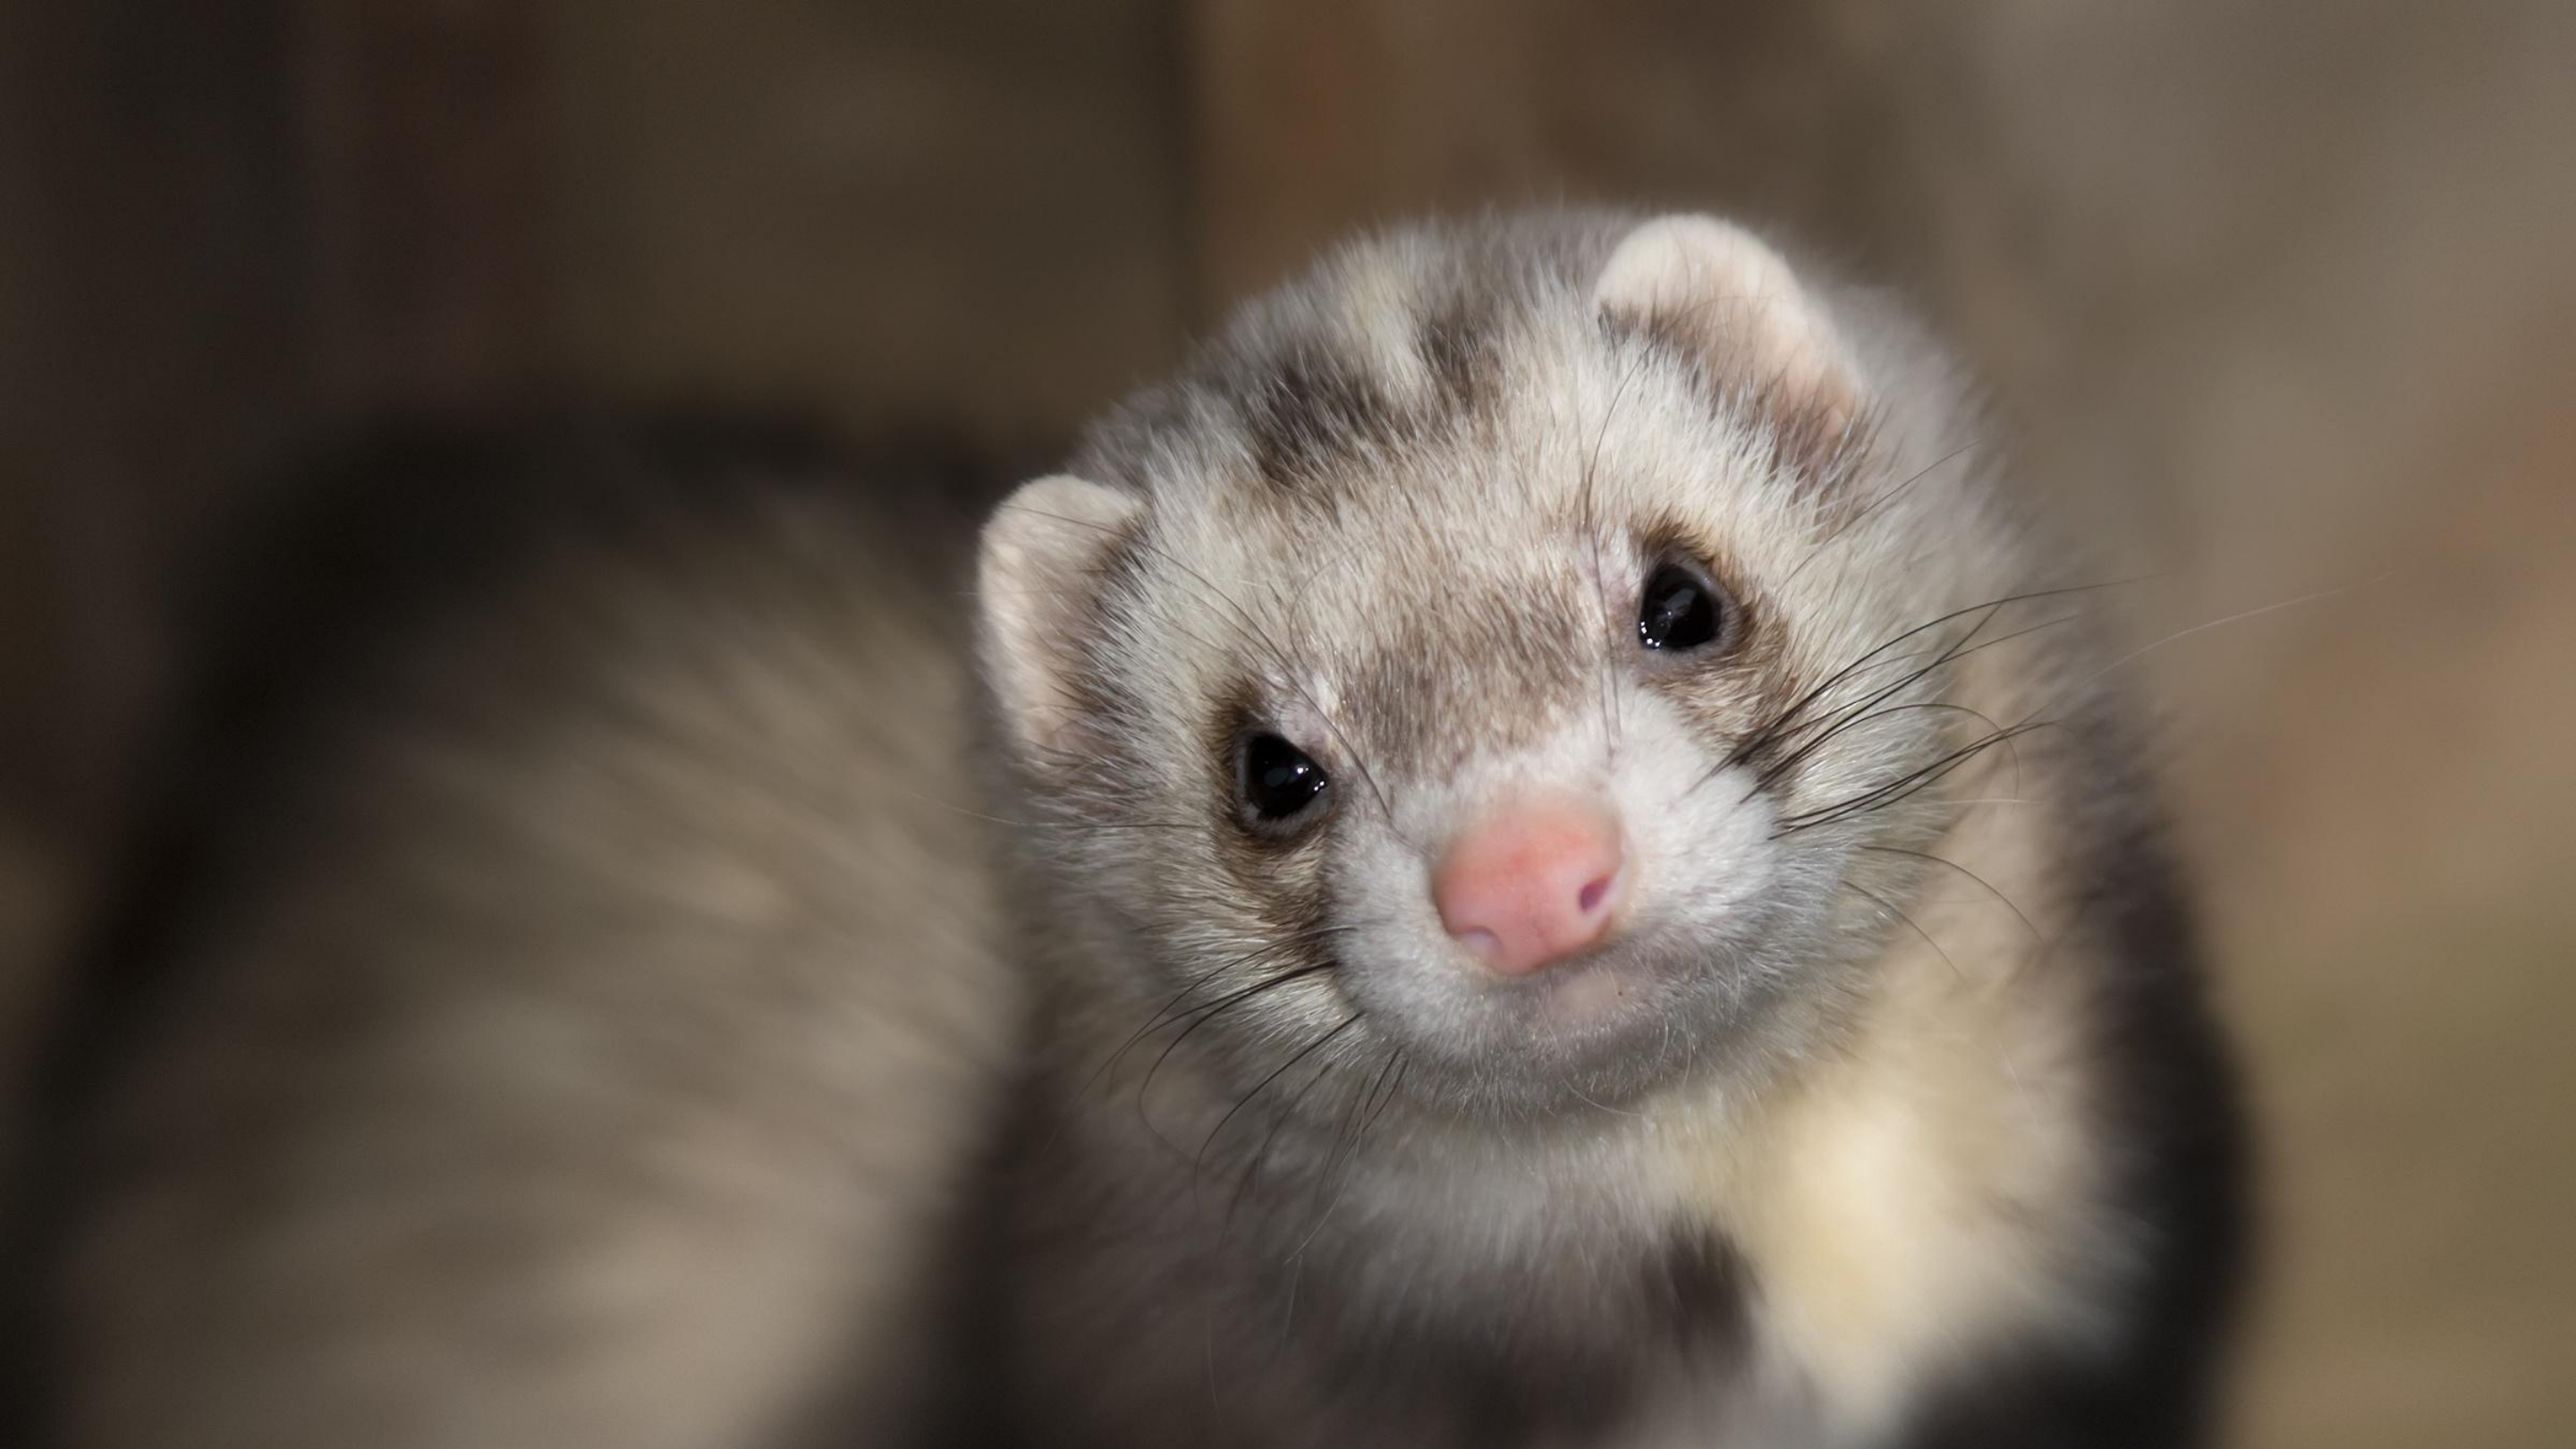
{"points": [[1312, 412], [1526, 644], [1457, 347]]}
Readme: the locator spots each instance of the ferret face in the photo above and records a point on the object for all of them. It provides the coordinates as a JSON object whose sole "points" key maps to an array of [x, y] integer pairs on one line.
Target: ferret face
{"points": [[1499, 654]]}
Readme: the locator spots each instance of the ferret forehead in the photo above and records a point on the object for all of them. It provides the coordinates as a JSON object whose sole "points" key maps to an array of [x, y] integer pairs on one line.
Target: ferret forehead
{"points": [[1311, 501], [1410, 646], [1579, 443], [1389, 346]]}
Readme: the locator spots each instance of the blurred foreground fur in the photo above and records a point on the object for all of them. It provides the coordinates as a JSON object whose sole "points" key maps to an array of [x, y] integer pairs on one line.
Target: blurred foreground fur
{"points": [[544, 1008]]}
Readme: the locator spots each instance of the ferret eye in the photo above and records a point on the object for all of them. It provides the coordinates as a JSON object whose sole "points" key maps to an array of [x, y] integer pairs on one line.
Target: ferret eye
{"points": [[1680, 609], [1278, 780]]}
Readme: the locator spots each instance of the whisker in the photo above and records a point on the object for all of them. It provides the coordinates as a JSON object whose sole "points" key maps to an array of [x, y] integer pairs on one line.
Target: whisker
{"points": [[1957, 649], [1399, 1061], [1884, 904], [1982, 882], [1208, 1014], [1263, 1085], [1829, 728], [2237, 618], [1788, 718], [1162, 1016], [1904, 785], [1782, 767], [1279, 1120], [1907, 785], [1881, 501], [1344, 1135], [1591, 487], [1603, 1107]]}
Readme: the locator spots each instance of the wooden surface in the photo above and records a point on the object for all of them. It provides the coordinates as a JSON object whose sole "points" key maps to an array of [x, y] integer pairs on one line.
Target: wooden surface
{"points": [[2277, 294]]}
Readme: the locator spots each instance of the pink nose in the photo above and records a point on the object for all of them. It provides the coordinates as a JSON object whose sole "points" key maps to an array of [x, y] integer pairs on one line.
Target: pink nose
{"points": [[1532, 883]]}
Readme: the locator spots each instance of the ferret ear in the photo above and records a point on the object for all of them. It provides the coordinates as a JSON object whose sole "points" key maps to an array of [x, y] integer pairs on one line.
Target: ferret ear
{"points": [[1036, 578], [1717, 290]]}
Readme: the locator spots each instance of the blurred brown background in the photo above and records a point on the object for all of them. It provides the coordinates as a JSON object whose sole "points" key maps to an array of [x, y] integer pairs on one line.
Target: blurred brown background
{"points": [[2280, 294]]}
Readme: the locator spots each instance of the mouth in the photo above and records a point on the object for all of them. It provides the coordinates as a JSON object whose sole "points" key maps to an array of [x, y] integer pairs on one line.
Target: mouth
{"points": [[1596, 991], [1609, 1023]]}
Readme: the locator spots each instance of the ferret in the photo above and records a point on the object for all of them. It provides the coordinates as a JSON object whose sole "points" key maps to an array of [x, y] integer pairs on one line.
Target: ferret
{"points": [[1536, 851], [1592, 883]]}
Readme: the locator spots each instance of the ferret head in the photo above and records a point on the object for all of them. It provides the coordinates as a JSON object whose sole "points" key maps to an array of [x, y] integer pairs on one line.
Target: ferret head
{"points": [[1502, 648]]}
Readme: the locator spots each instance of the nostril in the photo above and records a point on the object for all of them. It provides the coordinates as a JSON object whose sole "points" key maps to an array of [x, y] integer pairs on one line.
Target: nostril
{"points": [[1591, 896], [1483, 944]]}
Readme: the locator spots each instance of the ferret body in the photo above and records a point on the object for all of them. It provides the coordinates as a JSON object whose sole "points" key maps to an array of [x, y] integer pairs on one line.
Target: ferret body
{"points": [[559, 1002], [1872, 1102], [1583, 879]]}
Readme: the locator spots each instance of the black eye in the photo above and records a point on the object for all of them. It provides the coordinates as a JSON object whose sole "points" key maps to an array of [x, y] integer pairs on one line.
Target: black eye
{"points": [[1278, 780], [1679, 610]]}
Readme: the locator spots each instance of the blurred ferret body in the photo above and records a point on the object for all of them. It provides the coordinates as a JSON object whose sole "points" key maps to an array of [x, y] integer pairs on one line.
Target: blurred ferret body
{"points": [[563, 1007], [1576, 870]]}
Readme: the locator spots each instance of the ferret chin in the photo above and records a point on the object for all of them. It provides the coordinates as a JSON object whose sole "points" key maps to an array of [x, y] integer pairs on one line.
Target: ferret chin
{"points": [[1592, 885]]}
